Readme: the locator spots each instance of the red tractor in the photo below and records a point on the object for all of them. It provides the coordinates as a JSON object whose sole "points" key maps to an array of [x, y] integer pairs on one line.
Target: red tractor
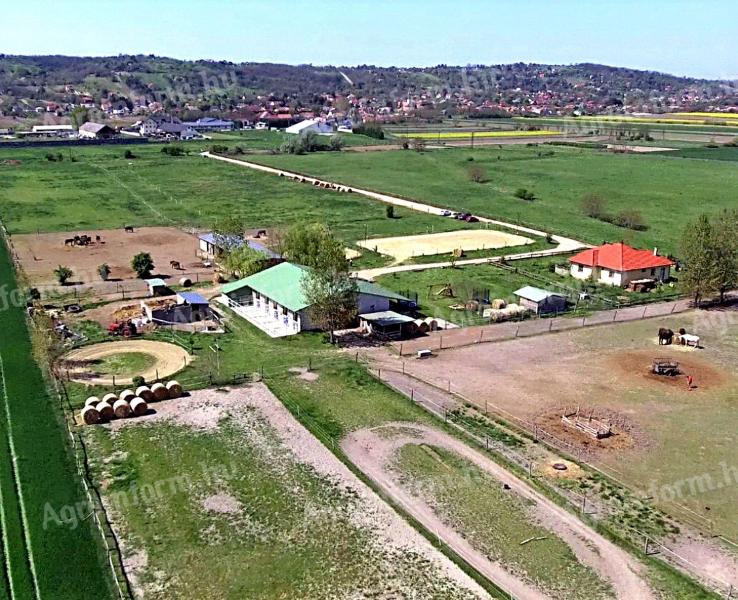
{"points": [[122, 328]]}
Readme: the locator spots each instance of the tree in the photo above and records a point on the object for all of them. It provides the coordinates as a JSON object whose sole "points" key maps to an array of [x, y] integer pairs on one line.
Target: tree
{"points": [[143, 264], [103, 271], [228, 233], [63, 274], [725, 252], [244, 261], [698, 277], [332, 297], [79, 116], [314, 246], [594, 206]]}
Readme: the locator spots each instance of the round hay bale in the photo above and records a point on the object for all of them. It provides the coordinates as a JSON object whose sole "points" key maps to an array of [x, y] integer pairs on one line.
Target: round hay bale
{"points": [[185, 281], [139, 407], [433, 325], [126, 395], [159, 391], [110, 398], [92, 401], [174, 389], [90, 415], [498, 303], [145, 393], [423, 327], [106, 411], [122, 409]]}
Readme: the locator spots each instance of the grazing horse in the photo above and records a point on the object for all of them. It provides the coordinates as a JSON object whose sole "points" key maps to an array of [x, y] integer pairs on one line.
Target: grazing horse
{"points": [[128, 229], [69, 242], [98, 239], [175, 265], [665, 336]]}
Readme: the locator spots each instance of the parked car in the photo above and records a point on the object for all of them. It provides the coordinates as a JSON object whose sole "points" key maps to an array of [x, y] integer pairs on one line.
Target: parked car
{"points": [[471, 219], [446, 213]]}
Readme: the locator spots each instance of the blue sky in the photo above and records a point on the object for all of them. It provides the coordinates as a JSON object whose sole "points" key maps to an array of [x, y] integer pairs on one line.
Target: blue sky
{"points": [[676, 36]]}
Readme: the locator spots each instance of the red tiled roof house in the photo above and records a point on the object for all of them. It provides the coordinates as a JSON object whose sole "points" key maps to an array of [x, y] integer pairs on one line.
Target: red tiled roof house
{"points": [[619, 264]]}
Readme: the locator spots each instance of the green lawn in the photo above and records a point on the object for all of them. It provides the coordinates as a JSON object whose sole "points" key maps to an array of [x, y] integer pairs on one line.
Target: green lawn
{"points": [[125, 364], [252, 139], [668, 191], [101, 189]]}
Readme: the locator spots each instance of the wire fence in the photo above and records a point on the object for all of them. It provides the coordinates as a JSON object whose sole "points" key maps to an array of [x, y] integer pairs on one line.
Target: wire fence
{"points": [[426, 395]]}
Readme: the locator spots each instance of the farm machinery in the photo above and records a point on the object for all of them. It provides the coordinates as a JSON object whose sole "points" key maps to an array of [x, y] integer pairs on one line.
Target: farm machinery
{"points": [[125, 328]]}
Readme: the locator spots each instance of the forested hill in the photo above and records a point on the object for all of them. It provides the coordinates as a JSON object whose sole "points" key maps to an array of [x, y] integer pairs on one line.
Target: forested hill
{"points": [[28, 79]]}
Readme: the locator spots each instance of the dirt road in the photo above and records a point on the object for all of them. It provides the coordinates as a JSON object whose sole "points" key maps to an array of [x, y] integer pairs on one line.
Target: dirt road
{"points": [[372, 450]]}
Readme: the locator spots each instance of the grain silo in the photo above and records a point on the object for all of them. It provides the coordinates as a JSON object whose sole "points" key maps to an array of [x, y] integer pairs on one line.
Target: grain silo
{"points": [[90, 415], [144, 392], [106, 411], [174, 389], [160, 391], [122, 409], [139, 406]]}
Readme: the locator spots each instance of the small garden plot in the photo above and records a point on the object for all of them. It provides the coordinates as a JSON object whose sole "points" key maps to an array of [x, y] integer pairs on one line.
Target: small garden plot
{"points": [[225, 494], [405, 247]]}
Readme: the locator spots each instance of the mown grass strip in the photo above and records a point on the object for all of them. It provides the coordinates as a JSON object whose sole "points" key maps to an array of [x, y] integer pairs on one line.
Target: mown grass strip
{"points": [[68, 559], [18, 490]]}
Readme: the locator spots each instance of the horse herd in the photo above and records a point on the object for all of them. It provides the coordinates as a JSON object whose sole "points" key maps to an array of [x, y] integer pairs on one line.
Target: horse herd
{"points": [[82, 240], [322, 184]]}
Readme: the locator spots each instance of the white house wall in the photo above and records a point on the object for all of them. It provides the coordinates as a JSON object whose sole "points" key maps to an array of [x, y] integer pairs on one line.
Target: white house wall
{"points": [[368, 303]]}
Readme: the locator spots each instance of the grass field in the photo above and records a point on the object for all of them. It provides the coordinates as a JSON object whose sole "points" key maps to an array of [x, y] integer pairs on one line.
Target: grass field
{"points": [[271, 140], [241, 513], [43, 556], [668, 191], [461, 135], [104, 190]]}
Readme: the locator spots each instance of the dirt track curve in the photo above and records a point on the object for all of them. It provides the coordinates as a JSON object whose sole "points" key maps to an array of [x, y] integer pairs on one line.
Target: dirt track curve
{"points": [[372, 452]]}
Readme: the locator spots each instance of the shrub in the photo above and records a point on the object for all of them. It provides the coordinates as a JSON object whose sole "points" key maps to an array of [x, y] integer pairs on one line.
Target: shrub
{"points": [[335, 143], [63, 274], [631, 219], [173, 150], [219, 149], [594, 206], [128, 154], [477, 175], [370, 129], [524, 194], [390, 210], [103, 271], [138, 381]]}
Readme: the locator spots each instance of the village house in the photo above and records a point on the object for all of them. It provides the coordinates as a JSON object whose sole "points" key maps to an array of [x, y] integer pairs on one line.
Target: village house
{"points": [[273, 300], [185, 307], [210, 124], [212, 246], [620, 264]]}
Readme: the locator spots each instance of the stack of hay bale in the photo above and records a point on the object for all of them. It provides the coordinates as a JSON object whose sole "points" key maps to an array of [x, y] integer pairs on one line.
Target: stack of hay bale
{"points": [[128, 403]]}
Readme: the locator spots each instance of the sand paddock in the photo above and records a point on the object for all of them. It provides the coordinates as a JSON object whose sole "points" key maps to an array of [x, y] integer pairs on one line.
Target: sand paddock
{"points": [[41, 253], [404, 247]]}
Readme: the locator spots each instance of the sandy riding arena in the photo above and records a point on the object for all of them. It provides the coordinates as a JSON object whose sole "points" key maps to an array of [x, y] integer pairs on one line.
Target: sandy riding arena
{"points": [[41, 253], [404, 247], [167, 359]]}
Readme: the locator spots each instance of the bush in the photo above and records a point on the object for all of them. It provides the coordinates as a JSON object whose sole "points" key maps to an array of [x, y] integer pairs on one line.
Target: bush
{"points": [[335, 143], [138, 381], [173, 150], [219, 149], [390, 210], [370, 129], [477, 175], [63, 274], [128, 154], [630, 219], [524, 194], [594, 206]]}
